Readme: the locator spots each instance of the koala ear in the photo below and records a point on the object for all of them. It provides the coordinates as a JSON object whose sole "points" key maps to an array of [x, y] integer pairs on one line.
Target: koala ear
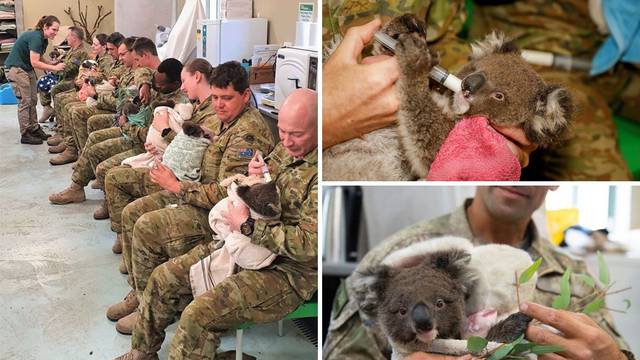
{"points": [[493, 43], [370, 287], [456, 264], [554, 108]]}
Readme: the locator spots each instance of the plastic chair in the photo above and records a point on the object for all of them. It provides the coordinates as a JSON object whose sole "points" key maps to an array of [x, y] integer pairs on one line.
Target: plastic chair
{"points": [[306, 310]]}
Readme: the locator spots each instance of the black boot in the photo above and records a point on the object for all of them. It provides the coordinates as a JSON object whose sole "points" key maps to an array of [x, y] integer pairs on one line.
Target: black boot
{"points": [[30, 138], [40, 133]]}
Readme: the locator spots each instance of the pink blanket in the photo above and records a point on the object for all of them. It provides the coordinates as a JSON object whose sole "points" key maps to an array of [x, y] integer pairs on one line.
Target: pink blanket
{"points": [[474, 151]]}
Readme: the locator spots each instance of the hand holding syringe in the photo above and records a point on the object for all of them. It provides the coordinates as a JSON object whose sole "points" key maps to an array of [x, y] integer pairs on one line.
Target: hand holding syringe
{"points": [[257, 166], [437, 73]]}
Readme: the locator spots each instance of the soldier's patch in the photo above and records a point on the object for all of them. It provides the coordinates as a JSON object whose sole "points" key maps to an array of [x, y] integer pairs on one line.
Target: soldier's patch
{"points": [[249, 138], [246, 153]]}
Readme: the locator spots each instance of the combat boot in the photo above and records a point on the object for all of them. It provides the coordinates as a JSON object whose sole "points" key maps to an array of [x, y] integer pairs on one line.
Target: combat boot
{"points": [[30, 139], [117, 245], [57, 149], [98, 185], [40, 133], [122, 267], [55, 140], [73, 194], [125, 325], [125, 307], [47, 113], [67, 156], [135, 354], [102, 212]]}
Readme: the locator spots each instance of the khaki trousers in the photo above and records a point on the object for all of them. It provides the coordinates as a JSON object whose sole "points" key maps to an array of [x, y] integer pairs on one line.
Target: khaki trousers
{"points": [[24, 87]]}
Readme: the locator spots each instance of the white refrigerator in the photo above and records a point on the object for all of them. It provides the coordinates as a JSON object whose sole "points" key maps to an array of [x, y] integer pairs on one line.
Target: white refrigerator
{"points": [[222, 40]]}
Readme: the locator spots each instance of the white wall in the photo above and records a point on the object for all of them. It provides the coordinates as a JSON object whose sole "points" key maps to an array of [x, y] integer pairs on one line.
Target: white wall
{"points": [[140, 17]]}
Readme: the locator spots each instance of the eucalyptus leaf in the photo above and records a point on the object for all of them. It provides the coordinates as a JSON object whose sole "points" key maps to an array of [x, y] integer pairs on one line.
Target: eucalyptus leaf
{"points": [[524, 347], [476, 344], [587, 280], [627, 304], [501, 352], [528, 273], [595, 305], [603, 270], [562, 301], [545, 349]]}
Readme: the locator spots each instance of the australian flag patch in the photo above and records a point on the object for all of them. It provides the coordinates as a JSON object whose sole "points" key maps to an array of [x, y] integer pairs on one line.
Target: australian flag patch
{"points": [[246, 153]]}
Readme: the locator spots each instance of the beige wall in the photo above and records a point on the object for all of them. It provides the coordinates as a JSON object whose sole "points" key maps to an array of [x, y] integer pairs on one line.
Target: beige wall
{"points": [[282, 16], [33, 10]]}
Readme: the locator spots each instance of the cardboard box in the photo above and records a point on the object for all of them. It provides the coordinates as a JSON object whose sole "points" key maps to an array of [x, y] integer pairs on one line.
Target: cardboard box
{"points": [[262, 75]]}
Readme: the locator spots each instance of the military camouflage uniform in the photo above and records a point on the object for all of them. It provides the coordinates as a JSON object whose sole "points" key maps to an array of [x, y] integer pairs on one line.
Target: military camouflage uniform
{"points": [[72, 60], [259, 296], [124, 184], [187, 226], [108, 147], [589, 150], [350, 338]]}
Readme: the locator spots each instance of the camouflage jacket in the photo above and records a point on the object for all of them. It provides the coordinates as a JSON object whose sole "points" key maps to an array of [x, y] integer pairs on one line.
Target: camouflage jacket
{"points": [[349, 336], [108, 101], [72, 60], [293, 237], [105, 64], [227, 155], [139, 134]]}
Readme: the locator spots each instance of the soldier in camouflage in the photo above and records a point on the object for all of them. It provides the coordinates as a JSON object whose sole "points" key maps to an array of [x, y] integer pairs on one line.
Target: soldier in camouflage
{"points": [[108, 147], [495, 215], [257, 296], [72, 60], [241, 132], [589, 150], [79, 113]]}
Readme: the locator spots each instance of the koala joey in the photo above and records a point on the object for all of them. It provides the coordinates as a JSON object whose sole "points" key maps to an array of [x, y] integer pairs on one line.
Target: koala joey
{"points": [[497, 83], [422, 294]]}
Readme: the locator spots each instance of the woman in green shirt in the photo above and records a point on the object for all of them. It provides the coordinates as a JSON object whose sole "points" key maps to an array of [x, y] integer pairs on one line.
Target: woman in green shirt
{"points": [[27, 54]]}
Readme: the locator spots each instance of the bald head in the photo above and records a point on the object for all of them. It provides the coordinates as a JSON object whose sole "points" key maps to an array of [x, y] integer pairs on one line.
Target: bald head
{"points": [[298, 122]]}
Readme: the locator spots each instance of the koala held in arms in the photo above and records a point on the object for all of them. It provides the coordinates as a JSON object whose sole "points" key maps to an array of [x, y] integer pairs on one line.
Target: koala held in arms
{"points": [[497, 84]]}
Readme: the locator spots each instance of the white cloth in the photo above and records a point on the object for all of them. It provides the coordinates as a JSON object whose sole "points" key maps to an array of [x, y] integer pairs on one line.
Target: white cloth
{"points": [[182, 39]]}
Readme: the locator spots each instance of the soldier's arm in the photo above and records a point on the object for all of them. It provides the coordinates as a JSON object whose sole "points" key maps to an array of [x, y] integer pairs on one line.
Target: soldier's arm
{"points": [[107, 101], [295, 241], [136, 134]]}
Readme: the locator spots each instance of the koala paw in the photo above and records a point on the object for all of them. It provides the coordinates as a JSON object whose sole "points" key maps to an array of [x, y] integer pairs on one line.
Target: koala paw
{"points": [[413, 54]]}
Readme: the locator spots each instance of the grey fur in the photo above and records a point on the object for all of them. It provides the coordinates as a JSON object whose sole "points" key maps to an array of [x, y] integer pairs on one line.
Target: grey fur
{"points": [[425, 117]]}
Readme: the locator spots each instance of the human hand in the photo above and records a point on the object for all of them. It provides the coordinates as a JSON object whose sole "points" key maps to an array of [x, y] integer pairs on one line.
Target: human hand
{"points": [[145, 94], [359, 97], [163, 176], [425, 356], [235, 215], [58, 67], [161, 121], [122, 119], [151, 149], [113, 81], [256, 164], [89, 90], [580, 336]]}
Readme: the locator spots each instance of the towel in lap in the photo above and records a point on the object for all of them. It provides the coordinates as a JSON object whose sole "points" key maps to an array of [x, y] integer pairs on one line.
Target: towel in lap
{"points": [[184, 156], [474, 151]]}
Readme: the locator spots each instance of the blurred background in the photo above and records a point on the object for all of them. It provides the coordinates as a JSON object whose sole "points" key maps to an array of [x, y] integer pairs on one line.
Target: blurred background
{"points": [[579, 219]]}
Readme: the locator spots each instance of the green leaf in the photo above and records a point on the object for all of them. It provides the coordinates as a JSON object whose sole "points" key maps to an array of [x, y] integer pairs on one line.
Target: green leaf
{"points": [[603, 270], [476, 344], [562, 301], [595, 305], [521, 348], [627, 304], [587, 280], [545, 349], [528, 273], [504, 350]]}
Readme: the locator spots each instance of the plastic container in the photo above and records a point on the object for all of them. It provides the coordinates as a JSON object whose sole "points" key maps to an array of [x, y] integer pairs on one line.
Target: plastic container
{"points": [[7, 97]]}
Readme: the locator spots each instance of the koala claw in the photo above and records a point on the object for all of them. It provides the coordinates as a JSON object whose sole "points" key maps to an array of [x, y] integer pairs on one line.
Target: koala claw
{"points": [[413, 54]]}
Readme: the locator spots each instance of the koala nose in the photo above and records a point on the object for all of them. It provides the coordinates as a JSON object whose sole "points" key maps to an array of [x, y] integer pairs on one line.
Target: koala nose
{"points": [[421, 318], [473, 82]]}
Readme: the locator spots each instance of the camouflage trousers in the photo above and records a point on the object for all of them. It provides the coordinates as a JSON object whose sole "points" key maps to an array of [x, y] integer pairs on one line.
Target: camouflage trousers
{"points": [[256, 296], [78, 113], [80, 125], [62, 106], [590, 148], [108, 143], [62, 86], [122, 185], [153, 233]]}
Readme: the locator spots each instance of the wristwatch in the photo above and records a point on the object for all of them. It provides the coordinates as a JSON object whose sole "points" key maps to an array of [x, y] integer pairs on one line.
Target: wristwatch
{"points": [[246, 228]]}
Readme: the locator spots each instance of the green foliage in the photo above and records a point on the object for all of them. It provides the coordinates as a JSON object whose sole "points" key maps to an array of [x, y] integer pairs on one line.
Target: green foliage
{"points": [[627, 304], [562, 301], [528, 273], [545, 349], [595, 305], [603, 270], [476, 344], [585, 278]]}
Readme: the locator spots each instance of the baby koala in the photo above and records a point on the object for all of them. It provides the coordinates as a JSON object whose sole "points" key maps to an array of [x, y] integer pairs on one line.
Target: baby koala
{"points": [[184, 154], [498, 87], [233, 249]]}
